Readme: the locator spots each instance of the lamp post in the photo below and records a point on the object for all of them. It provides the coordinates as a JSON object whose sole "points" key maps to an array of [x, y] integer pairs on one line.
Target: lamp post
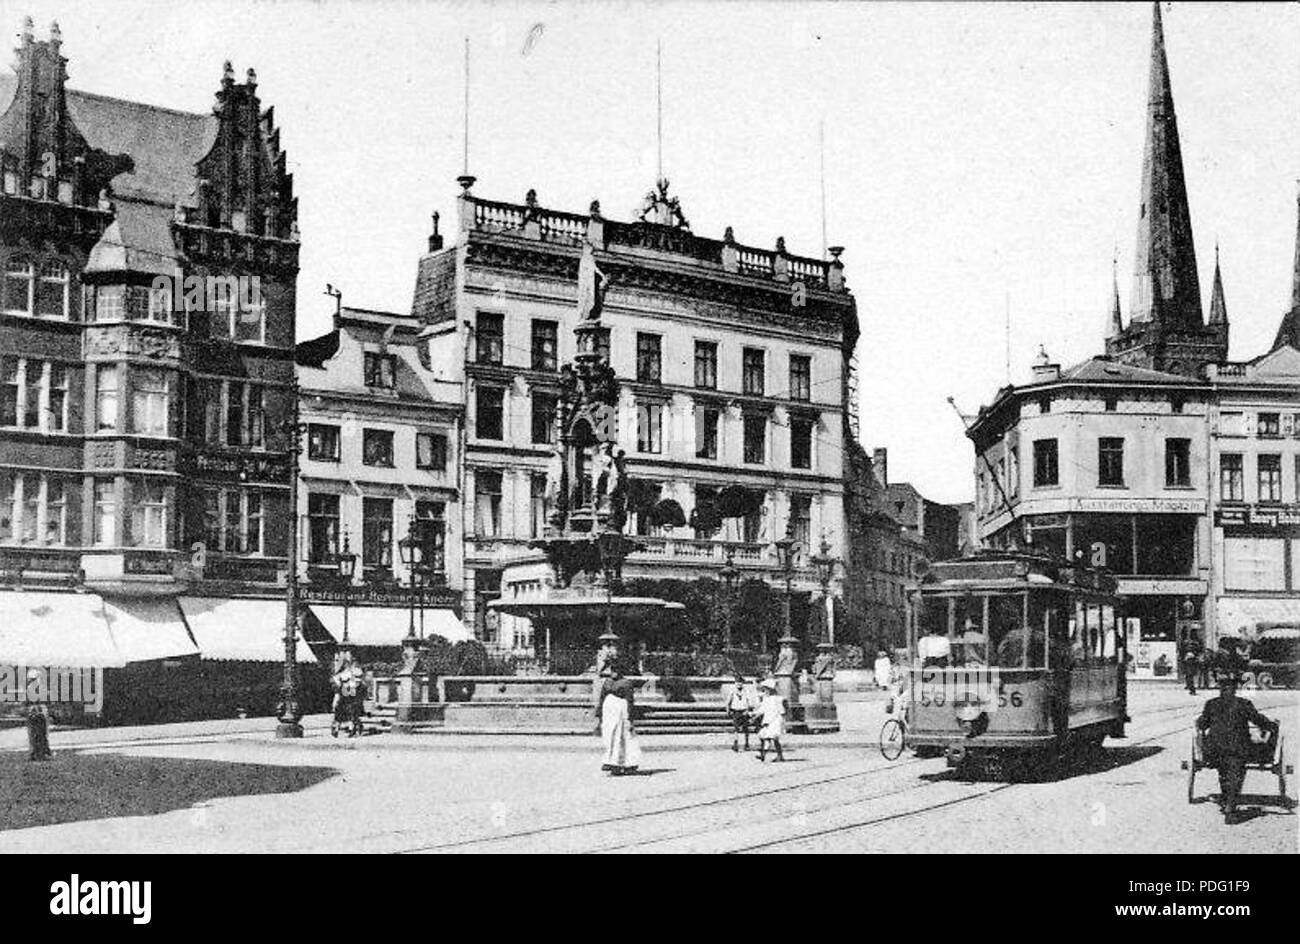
{"points": [[610, 546], [825, 565], [289, 721], [346, 562], [729, 573], [786, 549], [411, 551]]}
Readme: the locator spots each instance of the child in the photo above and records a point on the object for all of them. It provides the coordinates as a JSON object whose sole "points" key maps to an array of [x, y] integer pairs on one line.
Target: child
{"points": [[740, 706], [771, 721]]}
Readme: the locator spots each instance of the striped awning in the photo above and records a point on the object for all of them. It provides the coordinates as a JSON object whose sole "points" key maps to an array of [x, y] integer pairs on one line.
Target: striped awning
{"points": [[56, 629], [238, 630]]}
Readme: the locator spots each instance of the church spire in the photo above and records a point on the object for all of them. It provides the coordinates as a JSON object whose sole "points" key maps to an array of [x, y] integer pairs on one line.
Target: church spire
{"points": [[1218, 306], [1165, 288], [1289, 331], [1115, 322]]}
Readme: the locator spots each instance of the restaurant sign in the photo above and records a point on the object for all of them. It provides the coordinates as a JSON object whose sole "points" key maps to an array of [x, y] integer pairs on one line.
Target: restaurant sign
{"points": [[242, 467], [368, 595]]}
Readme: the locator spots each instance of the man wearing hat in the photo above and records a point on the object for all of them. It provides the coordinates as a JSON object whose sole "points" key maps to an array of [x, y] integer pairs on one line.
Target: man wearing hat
{"points": [[1225, 728]]}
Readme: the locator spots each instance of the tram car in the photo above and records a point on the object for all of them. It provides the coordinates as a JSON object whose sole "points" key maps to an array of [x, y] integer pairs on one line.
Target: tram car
{"points": [[1015, 659]]}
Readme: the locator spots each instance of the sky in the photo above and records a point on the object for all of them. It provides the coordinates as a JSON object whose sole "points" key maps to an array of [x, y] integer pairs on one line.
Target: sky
{"points": [[980, 159]]}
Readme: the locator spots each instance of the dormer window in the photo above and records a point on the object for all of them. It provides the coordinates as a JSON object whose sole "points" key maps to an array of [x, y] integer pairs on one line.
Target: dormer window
{"points": [[380, 370]]}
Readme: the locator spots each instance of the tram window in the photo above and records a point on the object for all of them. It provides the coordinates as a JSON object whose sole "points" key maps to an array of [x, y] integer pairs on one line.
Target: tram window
{"points": [[970, 615], [932, 644], [1007, 630], [1109, 628]]}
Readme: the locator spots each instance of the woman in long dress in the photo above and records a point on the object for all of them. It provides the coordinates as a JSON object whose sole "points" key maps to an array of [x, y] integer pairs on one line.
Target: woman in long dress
{"points": [[771, 721], [622, 753]]}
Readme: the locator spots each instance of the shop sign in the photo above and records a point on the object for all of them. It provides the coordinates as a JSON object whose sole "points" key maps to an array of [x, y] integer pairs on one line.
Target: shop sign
{"points": [[1258, 516]]}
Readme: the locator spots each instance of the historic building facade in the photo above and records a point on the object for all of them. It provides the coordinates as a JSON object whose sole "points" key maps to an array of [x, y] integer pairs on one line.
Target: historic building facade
{"points": [[1160, 461], [733, 366], [149, 259], [381, 463]]}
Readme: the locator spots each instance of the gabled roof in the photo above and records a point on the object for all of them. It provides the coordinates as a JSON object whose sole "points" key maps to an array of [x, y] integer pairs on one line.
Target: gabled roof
{"points": [[164, 144]]}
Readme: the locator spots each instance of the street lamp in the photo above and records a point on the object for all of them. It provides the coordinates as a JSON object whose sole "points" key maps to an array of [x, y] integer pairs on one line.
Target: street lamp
{"points": [[411, 550], [786, 550], [729, 573], [346, 562], [825, 565], [609, 544], [290, 720]]}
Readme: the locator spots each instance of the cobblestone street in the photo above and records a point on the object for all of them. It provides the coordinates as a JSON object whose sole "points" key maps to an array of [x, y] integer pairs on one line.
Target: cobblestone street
{"points": [[835, 794]]}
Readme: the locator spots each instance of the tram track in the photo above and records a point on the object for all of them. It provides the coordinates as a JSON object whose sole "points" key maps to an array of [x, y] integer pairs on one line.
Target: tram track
{"points": [[808, 835]]}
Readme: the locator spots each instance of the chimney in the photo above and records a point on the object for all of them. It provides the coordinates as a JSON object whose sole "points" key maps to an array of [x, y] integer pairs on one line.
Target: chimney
{"points": [[435, 239], [880, 463], [1044, 369]]}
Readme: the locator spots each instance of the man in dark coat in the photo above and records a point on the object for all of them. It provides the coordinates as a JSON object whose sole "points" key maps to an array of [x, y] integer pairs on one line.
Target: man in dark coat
{"points": [[1225, 728]]}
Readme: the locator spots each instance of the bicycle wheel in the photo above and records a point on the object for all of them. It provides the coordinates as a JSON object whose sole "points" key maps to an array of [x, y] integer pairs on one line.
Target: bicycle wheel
{"points": [[891, 739]]}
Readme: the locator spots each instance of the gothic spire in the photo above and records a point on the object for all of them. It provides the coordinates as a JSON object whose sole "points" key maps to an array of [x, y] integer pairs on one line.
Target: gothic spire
{"points": [[1165, 288], [1218, 306], [1115, 323], [1289, 331]]}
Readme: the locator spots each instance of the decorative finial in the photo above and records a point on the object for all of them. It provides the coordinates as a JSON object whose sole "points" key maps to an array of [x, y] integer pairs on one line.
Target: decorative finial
{"points": [[227, 73], [835, 252], [436, 217], [56, 35], [530, 198], [594, 210], [1042, 360], [252, 76], [780, 245], [729, 236], [466, 181]]}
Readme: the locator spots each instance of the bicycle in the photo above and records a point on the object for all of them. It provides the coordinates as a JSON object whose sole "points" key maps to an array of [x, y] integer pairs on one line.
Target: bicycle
{"points": [[891, 738]]}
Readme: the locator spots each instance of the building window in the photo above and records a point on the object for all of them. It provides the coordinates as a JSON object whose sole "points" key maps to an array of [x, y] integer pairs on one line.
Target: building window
{"points": [[322, 442], [1045, 404], [233, 521], [234, 395], [649, 427], [322, 528], [706, 432], [205, 410], [800, 377], [33, 394], [1232, 486], [148, 514], [249, 321], [160, 305], [106, 397], [1112, 404], [1270, 478], [1110, 461], [18, 286], [1176, 404], [537, 505], [752, 371], [222, 301], [431, 451], [380, 370], [52, 290], [706, 365], [1013, 471], [1254, 563], [489, 412], [149, 402], [543, 406], [1178, 462], [1269, 426], [377, 532], [245, 414], [33, 509], [377, 447], [431, 518], [487, 503], [755, 447], [489, 339], [545, 345], [801, 440], [649, 358], [801, 521], [705, 518], [1046, 469], [105, 513]]}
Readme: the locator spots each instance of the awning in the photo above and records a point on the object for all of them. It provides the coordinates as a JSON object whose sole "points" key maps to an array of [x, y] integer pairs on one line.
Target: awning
{"points": [[146, 629], [240, 630], [1237, 613], [55, 629], [387, 625]]}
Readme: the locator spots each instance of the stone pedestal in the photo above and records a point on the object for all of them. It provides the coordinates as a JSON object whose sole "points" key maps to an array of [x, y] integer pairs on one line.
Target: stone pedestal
{"points": [[418, 705]]}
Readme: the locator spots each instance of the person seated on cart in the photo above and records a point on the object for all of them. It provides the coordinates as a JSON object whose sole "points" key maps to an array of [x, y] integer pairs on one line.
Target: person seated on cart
{"points": [[1226, 743]]}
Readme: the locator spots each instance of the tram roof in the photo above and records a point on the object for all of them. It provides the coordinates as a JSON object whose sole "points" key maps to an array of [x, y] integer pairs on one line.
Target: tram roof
{"points": [[1009, 571]]}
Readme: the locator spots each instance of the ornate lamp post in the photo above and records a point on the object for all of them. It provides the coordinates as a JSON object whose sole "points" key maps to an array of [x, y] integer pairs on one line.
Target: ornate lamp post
{"points": [[825, 565], [289, 722], [610, 546], [729, 573], [411, 550], [346, 562], [786, 550]]}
